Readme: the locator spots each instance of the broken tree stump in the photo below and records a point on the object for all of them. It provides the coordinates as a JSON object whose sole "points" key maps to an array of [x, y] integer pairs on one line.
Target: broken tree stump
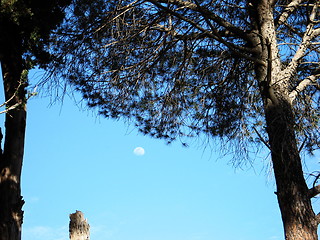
{"points": [[79, 229]]}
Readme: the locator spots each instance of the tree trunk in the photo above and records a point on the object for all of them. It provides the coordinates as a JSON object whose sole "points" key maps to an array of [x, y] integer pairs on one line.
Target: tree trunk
{"points": [[11, 157], [298, 217], [78, 227]]}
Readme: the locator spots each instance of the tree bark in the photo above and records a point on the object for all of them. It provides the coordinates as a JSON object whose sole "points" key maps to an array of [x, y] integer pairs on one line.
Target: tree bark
{"points": [[298, 217], [78, 227], [11, 202]]}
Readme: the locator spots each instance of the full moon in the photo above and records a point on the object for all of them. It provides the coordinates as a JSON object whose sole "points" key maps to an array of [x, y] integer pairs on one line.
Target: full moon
{"points": [[139, 151]]}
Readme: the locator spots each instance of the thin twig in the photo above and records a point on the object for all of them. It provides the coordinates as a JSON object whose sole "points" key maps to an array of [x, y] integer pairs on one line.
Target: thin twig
{"points": [[261, 138]]}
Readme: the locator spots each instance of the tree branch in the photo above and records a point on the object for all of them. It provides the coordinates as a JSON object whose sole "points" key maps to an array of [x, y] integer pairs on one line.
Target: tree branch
{"points": [[210, 15], [314, 191], [309, 34], [10, 108], [238, 50], [302, 85], [10, 99], [316, 33], [290, 8], [261, 138]]}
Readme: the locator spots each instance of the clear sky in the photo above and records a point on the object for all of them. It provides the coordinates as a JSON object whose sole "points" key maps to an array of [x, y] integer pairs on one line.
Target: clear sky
{"points": [[75, 160]]}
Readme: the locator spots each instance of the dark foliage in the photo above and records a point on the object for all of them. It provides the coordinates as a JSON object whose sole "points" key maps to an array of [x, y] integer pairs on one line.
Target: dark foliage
{"points": [[25, 25], [181, 70]]}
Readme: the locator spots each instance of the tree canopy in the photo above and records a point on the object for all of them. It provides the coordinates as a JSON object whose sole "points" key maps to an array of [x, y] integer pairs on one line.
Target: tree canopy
{"points": [[31, 23], [245, 71], [182, 68]]}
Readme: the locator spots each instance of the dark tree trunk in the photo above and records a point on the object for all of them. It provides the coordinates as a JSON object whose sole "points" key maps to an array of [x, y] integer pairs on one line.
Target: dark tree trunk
{"points": [[11, 214], [298, 217]]}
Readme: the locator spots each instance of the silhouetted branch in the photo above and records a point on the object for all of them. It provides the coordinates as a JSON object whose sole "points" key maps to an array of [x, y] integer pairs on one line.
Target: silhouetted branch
{"points": [[314, 191]]}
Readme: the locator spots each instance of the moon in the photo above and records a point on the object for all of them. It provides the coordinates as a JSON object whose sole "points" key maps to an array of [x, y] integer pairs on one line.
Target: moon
{"points": [[139, 151]]}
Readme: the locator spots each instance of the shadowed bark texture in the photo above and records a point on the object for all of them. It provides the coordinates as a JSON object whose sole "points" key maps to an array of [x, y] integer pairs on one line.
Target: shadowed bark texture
{"points": [[11, 201]]}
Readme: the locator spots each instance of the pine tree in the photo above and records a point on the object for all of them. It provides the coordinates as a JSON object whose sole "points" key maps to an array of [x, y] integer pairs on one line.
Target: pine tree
{"points": [[25, 27], [237, 71]]}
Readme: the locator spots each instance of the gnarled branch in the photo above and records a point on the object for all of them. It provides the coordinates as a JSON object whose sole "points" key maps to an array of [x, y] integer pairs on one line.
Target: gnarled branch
{"points": [[314, 191]]}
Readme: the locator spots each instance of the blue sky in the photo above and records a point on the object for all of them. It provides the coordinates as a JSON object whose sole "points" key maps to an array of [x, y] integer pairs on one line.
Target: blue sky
{"points": [[75, 160]]}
